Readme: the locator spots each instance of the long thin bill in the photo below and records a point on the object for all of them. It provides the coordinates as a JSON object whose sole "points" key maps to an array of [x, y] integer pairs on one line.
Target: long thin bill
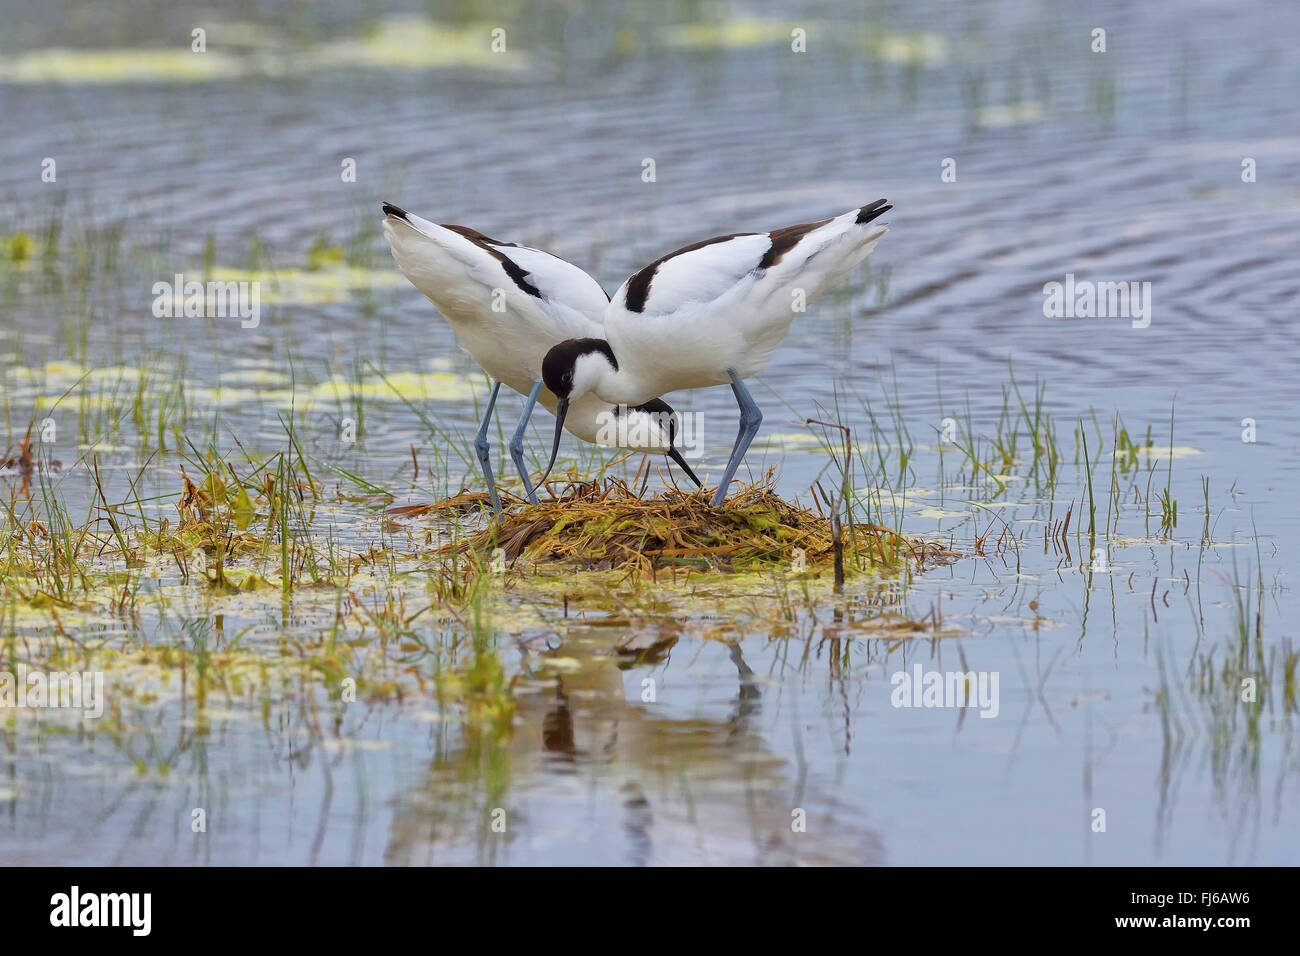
{"points": [[560, 411], [676, 456]]}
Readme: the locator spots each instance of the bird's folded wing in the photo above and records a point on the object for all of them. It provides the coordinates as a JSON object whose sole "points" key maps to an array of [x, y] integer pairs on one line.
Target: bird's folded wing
{"points": [[459, 260], [754, 269]]}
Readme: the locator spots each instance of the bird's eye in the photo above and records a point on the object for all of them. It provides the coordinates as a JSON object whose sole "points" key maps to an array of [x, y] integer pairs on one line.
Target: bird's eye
{"points": [[568, 377]]}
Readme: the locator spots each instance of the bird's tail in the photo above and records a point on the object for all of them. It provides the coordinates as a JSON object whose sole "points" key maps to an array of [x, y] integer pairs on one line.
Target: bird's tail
{"points": [[396, 216], [421, 249]]}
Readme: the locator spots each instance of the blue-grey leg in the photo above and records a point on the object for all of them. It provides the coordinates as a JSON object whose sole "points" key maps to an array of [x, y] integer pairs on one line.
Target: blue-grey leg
{"points": [[750, 419], [484, 450], [517, 442]]}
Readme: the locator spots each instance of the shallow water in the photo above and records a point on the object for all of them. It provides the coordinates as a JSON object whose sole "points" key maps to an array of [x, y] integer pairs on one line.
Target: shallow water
{"points": [[1123, 166]]}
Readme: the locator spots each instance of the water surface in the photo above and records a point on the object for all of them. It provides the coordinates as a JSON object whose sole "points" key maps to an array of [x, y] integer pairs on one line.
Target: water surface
{"points": [[1122, 166]]}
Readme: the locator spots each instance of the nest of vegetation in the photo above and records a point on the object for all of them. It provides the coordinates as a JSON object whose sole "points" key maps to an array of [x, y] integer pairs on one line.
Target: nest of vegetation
{"points": [[607, 526]]}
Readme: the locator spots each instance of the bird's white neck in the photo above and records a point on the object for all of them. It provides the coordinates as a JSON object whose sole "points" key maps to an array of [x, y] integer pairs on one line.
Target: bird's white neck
{"points": [[624, 388], [594, 373]]}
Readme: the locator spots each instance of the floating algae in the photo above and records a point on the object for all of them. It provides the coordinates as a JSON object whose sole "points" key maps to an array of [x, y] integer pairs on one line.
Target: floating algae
{"points": [[606, 526]]}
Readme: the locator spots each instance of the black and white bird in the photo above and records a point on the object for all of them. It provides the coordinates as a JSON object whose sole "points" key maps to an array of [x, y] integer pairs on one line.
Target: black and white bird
{"points": [[710, 313], [508, 305]]}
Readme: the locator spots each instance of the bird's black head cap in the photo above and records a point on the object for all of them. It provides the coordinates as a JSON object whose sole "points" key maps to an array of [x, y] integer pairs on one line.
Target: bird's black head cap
{"points": [[558, 366]]}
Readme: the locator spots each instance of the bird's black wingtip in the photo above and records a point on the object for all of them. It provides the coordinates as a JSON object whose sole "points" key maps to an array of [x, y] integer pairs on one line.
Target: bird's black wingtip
{"points": [[397, 212], [873, 211]]}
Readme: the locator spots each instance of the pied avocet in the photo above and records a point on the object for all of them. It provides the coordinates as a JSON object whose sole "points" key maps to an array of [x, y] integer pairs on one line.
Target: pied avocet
{"points": [[710, 313], [508, 305]]}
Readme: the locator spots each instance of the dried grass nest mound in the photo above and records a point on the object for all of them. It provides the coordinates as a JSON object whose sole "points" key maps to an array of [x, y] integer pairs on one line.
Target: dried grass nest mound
{"points": [[607, 526]]}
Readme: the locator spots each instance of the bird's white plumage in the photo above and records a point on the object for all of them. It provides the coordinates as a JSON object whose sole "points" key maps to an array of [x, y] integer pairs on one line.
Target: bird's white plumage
{"points": [[463, 275], [502, 325], [724, 304]]}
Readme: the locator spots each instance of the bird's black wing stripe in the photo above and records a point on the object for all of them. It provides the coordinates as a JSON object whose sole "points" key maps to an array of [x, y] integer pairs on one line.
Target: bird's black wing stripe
{"points": [[518, 276], [783, 240]]}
